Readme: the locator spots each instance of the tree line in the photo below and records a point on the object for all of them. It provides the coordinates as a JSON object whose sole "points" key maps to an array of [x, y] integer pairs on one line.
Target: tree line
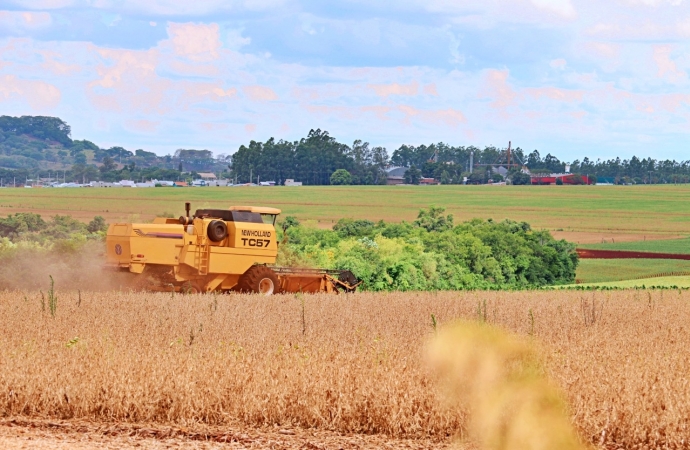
{"points": [[315, 159], [432, 253], [38, 146]]}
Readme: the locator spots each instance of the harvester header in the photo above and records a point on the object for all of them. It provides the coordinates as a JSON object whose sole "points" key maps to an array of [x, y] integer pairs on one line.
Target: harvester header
{"points": [[232, 249]]}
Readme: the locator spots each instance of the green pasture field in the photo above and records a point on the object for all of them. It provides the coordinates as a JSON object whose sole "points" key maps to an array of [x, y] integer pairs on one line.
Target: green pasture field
{"points": [[681, 282], [610, 270], [681, 246], [651, 211]]}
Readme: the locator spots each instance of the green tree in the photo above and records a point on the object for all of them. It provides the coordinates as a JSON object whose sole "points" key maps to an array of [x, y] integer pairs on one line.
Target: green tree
{"points": [[82, 173], [433, 219], [40, 127], [108, 164], [288, 222], [445, 177], [351, 227], [341, 177], [19, 223], [477, 178], [412, 175], [520, 178], [80, 158], [96, 225]]}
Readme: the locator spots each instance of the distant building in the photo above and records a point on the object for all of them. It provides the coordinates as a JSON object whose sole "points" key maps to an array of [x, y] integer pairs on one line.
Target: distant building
{"points": [[429, 181], [566, 178], [207, 176], [163, 183], [502, 171], [217, 183], [395, 175], [291, 182]]}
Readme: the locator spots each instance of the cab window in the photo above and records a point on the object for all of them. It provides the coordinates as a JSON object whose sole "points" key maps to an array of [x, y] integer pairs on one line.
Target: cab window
{"points": [[269, 218]]}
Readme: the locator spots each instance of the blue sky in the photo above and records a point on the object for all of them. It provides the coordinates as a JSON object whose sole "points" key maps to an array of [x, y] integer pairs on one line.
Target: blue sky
{"points": [[570, 77]]}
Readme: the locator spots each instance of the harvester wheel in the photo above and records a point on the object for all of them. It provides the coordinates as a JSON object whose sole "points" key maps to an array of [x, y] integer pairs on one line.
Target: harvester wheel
{"points": [[217, 230], [260, 280], [191, 288]]}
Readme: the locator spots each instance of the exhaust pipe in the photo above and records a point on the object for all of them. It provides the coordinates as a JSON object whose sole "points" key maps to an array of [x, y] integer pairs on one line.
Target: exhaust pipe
{"points": [[185, 220]]}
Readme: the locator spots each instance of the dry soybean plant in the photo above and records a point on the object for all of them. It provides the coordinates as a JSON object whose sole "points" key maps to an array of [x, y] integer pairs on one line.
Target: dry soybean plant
{"points": [[498, 376], [350, 363]]}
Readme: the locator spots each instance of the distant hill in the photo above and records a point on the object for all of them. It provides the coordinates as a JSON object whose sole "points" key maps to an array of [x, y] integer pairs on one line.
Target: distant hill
{"points": [[42, 143]]}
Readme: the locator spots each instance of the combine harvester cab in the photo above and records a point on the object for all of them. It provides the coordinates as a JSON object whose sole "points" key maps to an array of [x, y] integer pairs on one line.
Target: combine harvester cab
{"points": [[215, 250]]}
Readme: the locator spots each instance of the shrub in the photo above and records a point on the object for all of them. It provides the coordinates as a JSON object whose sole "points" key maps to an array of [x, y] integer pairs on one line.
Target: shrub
{"points": [[96, 225], [341, 177], [434, 254]]}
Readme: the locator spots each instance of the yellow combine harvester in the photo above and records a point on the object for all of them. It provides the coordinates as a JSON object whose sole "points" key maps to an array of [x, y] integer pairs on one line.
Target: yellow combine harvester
{"points": [[215, 250]]}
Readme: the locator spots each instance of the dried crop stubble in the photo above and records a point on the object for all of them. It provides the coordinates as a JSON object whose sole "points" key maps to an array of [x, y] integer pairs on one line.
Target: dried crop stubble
{"points": [[221, 360], [620, 357]]}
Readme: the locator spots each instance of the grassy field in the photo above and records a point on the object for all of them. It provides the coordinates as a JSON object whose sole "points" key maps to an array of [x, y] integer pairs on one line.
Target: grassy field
{"points": [[664, 282], [614, 270], [605, 270], [659, 246], [351, 364], [581, 213], [635, 217]]}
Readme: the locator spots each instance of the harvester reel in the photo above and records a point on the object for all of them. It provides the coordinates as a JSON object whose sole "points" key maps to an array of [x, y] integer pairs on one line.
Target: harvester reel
{"points": [[349, 278], [217, 230]]}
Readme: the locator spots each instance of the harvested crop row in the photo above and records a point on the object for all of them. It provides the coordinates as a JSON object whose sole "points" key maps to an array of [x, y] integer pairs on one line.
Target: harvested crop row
{"points": [[343, 363]]}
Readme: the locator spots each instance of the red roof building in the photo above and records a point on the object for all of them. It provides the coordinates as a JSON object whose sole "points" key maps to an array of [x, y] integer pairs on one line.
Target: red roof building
{"points": [[567, 178]]}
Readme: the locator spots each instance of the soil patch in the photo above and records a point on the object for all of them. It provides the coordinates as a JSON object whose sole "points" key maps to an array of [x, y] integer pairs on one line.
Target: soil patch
{"points": [[81, 435]]}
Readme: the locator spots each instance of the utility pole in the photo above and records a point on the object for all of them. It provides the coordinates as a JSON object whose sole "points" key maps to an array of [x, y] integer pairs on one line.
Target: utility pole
{"points": [[251, 175]]}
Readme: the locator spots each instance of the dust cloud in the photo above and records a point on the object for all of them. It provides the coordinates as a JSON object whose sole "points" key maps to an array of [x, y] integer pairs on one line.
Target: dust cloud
{"points": [[71, 269]]}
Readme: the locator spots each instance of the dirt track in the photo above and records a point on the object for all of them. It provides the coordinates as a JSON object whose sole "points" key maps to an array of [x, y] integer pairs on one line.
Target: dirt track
{"points": [[585, 253], [37, 434]]}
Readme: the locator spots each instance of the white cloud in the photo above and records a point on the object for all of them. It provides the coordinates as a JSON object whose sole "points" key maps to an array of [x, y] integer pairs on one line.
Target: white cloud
{"points": [[235, 40], [560, 7], [44, 4], [18, 21], [613, 59], [668, 69], [185, 7], [198, 42], [40, 96], [655, 3], [559, 63], [260, 93]]}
